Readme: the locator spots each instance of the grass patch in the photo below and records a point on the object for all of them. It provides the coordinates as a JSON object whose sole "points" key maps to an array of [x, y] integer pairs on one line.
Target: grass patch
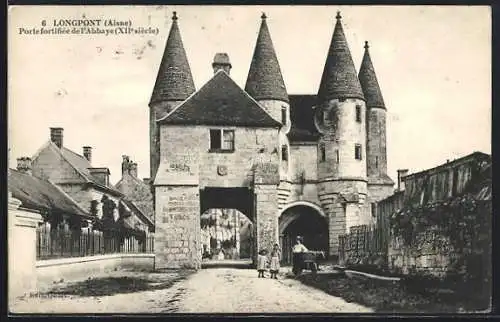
{"points": [[393, 296], [128, 283]]}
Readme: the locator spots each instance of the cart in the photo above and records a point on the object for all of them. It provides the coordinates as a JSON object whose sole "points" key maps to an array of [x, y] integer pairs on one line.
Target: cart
{"points": [[307, 261]]}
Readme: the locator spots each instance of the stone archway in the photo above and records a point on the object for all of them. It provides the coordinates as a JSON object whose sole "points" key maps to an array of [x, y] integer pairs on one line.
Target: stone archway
{"points": [[303, 219]]}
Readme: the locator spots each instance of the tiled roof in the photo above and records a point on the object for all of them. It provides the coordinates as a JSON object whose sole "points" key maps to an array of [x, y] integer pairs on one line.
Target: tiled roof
{"points": [[220, 102], [174, 81], [265, 81], [339, 79], [133, 207], [77, 161], [369, 82], [82, 165], [302, 118], [39, 194]]}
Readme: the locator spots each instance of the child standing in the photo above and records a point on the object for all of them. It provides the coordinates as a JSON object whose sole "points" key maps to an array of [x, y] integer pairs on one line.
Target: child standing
{"points": [[261, 263], [275, 261]]}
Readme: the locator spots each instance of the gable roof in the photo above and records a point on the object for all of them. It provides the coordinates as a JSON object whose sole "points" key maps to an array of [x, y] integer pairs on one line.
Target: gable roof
{"points": [[80, 164], [302, 118], [220, 102], [35, 193]]}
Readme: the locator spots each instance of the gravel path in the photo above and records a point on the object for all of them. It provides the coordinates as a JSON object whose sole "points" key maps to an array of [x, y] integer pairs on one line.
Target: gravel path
{"points": [[215, 290]]}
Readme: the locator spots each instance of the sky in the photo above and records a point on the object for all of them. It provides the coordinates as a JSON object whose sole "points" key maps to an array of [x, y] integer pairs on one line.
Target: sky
{"points": [[433, 65]]}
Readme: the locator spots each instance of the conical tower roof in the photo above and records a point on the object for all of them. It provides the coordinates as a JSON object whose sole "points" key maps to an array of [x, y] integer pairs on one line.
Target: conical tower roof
{"points": [[369, 83], [339, 79], [264, 78], [174, 81]]}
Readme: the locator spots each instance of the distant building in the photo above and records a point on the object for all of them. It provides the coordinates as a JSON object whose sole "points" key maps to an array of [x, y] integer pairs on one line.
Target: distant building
{"points": [[136, 190], [88, 186]]}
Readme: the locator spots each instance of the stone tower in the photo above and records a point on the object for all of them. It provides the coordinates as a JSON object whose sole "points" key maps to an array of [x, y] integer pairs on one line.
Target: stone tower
{"points": [[379, 183], [340, 118], [265, 84], [174, 84]]}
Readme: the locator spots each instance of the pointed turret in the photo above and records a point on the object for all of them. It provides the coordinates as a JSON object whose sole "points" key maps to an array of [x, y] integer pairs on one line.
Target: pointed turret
{"points": [[265, 81], [369, 83], [174, 81], [339, 79]]}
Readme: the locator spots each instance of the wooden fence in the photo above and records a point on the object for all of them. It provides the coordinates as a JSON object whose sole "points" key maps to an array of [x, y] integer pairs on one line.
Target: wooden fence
{"points": [[61, 243], [364, 245]]}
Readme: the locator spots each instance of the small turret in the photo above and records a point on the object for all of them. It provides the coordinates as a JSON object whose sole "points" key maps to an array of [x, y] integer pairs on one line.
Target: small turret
{"points": [[376, 142], [340, 118], [265, 84]]}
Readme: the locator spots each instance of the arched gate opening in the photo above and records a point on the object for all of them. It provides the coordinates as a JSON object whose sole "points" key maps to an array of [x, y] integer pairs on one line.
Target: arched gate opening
{"points": [[306, 220]]}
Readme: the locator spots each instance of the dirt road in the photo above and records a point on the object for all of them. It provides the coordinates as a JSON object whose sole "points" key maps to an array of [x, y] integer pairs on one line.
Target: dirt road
{"points": [[214, 290], [228, 290]]}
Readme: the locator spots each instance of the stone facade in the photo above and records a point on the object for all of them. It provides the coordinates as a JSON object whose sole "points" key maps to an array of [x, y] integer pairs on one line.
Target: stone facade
{"points": [[328, 172]]}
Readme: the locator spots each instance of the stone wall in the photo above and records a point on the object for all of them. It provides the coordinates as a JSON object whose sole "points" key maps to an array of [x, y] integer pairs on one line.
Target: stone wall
{"points": [[177, 235], [22, 225], [84, 196], [267, 216], [376, 148], [459, 245], [53, 271]]}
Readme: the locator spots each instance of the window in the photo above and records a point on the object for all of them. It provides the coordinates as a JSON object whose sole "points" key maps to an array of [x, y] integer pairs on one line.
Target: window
{"points": [[284, 153], [221, 140], [358, 113], [357, 152], [337, 156], [374, 209], [376, 162], [283, 115], [322, 152]]}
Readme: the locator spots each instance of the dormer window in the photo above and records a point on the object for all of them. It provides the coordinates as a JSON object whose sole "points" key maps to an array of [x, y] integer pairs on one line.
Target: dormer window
{"points": [[221, 140], [283, 115]]}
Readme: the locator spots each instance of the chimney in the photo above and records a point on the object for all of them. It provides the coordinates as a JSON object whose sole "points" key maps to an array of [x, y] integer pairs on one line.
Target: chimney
{"points": [[221, 61], [24, 165], [56, 136], [125, 164], [133, 169], [87, 153], [401, 174]]}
